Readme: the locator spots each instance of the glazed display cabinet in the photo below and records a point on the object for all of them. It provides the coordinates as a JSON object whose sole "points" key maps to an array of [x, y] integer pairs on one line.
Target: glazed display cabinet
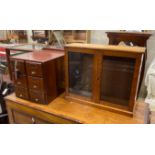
{"points": [[103, 76]]}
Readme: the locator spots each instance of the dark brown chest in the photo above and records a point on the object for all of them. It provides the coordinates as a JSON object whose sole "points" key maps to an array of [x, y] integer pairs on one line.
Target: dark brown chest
{"points": [[36, 74]]}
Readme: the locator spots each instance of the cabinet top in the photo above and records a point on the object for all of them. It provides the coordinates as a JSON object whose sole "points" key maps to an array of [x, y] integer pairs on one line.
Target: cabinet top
{"points": [[27, 47], [122, 48]]}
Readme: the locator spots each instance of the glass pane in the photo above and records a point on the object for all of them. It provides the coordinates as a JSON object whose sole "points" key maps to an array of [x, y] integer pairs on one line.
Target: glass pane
{"points": [[29, 47], [117, 75], [80, 73]]}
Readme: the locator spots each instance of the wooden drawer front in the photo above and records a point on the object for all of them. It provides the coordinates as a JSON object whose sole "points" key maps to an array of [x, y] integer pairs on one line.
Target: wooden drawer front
{"points": [[23, 118], [34, 69], [36, 83], [18, 66], [22, 92], [37, 97], [20, 81], [25, 111]]}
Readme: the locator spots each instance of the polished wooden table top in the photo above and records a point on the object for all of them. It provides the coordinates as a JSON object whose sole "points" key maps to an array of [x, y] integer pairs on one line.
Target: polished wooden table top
{"points": [[86, 114]]}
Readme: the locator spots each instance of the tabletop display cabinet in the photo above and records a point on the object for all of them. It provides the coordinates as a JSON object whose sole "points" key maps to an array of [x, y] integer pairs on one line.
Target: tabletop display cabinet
{"points": [[104, 76]]}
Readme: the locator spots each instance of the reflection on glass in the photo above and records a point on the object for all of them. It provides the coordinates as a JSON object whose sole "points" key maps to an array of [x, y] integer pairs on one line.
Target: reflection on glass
{"points": [[80, 73], [29, 47], [117, 75]]}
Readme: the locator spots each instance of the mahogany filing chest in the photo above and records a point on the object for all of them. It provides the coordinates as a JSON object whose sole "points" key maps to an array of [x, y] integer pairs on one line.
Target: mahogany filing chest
{"points": [[35, 75]]}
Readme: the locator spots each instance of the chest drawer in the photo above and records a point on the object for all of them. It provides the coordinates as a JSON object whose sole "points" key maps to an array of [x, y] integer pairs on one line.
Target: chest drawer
{"points": [[20, 81], [37, 97], [24, 118], [36, 83], [18, 66], [26, 114], [34, 69], [22, 92]]}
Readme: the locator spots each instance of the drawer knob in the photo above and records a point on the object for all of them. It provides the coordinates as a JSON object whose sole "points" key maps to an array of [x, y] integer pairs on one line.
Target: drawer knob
{"points": [[33, 120], [33, 72], [21, 95], [18, 82], [34, 86], [36, 99]]}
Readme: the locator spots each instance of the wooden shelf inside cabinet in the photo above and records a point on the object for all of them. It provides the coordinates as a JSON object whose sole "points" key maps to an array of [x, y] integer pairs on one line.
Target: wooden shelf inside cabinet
{"points": [[104, 76], [76, 36]]}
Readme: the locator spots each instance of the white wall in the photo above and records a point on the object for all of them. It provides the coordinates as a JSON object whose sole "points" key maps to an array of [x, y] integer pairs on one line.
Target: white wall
{"points": [[98, 37], [150, 57], [151, 49], [29, 36], [3, 34]]}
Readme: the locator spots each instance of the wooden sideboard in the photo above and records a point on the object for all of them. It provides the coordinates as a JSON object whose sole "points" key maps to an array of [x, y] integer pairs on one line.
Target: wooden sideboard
{"points": [[63, 111]]}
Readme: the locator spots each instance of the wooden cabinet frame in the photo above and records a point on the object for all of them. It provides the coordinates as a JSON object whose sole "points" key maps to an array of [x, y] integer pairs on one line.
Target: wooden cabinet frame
{"points": [[99, 54]]}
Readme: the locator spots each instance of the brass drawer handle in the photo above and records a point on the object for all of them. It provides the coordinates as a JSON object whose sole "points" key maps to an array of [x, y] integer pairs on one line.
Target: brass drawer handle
{"points": [[33, 120], [33, 72], [21, 95], [18, 82], [34, 86], [36, 99]]}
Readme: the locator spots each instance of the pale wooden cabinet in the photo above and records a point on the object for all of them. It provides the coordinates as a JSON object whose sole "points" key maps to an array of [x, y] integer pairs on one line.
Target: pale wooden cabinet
{"points": [[104, 76]]}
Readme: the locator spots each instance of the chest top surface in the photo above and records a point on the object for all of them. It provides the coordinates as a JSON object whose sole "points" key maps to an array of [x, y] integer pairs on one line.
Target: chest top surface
{"points": [[27, 47], [40, 56]]}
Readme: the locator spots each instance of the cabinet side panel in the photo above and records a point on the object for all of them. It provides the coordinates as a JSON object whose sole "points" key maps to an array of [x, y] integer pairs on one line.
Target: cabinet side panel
{"points": [[49, 75]]}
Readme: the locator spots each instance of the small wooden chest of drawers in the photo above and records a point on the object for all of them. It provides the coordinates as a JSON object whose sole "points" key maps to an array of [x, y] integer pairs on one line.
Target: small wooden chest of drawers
{"points": [[35, 75]]}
